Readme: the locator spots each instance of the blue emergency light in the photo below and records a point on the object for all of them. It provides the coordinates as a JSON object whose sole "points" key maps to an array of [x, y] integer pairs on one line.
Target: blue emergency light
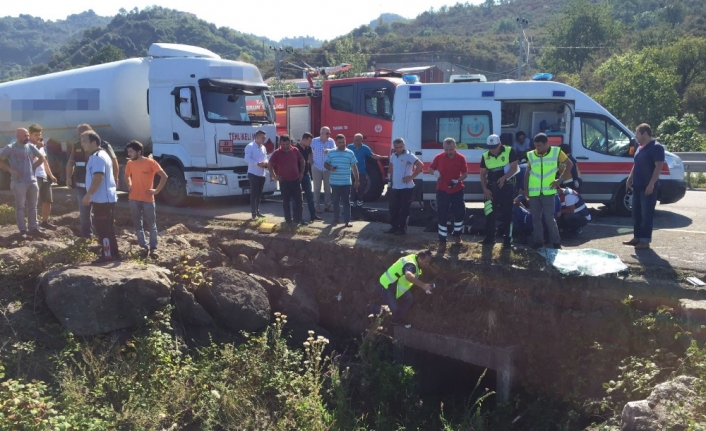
{"points": [[410, 79]]}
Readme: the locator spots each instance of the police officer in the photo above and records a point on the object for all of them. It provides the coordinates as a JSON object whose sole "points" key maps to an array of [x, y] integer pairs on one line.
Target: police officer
{"points": [[396, 282], [498, 167]]}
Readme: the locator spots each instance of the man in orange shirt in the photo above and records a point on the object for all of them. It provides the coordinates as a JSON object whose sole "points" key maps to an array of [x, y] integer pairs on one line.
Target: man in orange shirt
{"points": [[139, 177]]}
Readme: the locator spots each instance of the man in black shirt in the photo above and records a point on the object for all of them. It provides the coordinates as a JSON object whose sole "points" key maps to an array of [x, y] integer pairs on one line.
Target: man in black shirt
{"points": [[498, 167], [304, 147]]}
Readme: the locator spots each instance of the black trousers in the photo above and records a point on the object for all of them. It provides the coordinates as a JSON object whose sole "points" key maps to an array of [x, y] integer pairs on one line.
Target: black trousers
{"points": [[400, 201], [450, 204], [257, 183], [103, 223], [291, 192], [572, 222], [502, 206]]}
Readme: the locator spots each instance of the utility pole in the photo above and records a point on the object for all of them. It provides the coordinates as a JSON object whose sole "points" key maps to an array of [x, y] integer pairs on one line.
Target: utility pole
{"points": [[278, 58], [521, 23]]}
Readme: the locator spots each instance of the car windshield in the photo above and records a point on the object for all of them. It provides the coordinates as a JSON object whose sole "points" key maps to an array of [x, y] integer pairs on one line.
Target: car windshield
{"points": [[235, 105]]}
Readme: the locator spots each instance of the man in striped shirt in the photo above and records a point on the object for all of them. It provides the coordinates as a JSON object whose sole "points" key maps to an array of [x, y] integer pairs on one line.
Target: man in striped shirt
{"points": [[341, 162]]}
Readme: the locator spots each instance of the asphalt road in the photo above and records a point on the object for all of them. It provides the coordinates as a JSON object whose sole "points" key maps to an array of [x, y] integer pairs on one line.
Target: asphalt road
{"points": [[679, 239]]}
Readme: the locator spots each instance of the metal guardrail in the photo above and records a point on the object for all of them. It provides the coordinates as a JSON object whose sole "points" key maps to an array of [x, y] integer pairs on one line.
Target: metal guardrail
{"points": [[693, 162]]}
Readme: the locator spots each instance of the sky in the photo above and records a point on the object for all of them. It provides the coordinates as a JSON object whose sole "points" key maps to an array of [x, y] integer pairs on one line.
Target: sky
{"points": [[275, 19]]}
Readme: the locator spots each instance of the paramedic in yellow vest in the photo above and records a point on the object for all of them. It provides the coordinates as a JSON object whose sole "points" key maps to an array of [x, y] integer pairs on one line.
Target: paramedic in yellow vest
{"points": [[498, 167], [541, 184], [396, 282]]}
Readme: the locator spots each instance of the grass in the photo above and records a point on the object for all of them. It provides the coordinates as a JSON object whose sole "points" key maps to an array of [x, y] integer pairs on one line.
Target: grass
{"points": [[7, 215], [698, 180]]}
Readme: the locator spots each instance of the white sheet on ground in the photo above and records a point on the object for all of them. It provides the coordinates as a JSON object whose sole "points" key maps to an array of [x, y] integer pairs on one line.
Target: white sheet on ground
{"points": [[587, 261]]}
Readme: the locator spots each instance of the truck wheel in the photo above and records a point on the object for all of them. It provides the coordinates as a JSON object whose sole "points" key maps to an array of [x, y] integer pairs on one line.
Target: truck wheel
{"points": [[430, 207], [623, 202], [375, 186], [174, 192]]}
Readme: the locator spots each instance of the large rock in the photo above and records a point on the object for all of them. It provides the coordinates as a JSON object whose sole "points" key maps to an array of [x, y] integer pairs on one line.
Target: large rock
{"points": [[234, 247], [265, 265], [235, 300], [242, 262], [94, 299], [48, 251], [188, 310], [299, 297], [665, 408], [694, 312]]}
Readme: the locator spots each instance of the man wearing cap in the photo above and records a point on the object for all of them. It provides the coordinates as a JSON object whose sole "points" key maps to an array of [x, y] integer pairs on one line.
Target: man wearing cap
{"points": [[450, 170], [498, 167]]}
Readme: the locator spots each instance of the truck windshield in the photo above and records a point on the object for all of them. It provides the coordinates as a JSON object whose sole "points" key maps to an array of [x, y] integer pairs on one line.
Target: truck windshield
{"points": [[235, 106]]}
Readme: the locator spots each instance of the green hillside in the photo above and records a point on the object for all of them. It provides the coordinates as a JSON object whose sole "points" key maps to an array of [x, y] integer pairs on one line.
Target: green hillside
{"points": [[26, 41]]}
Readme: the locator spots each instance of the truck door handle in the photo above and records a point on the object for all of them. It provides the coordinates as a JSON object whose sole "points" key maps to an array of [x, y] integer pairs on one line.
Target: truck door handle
{"points": [[175, 136], [417, 153], [581, 158]]}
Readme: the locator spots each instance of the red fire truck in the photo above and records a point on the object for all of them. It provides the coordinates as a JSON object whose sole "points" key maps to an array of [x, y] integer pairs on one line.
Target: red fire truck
{"points": [[347, 106]]}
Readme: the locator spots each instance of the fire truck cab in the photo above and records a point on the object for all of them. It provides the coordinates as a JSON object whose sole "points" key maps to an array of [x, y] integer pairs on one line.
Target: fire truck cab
{"points": [[347, 106]]}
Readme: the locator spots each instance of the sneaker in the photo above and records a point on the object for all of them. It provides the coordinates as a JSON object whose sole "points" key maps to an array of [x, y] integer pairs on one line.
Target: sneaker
{"points": [[154, 254], [254, 217], [259, 214], [391, 231], [302, 223], [23, 234], [38, 233], [47, 225], [348, 224], [642, 246], [316, 218], [633, 242], [144, 253], [359, 203]]}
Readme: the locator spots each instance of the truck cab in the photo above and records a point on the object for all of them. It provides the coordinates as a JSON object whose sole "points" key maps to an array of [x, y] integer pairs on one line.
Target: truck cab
{"points": [[348, 106], [425, 114]]}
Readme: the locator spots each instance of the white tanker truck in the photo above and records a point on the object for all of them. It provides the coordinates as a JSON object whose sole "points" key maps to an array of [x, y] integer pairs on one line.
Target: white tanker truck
{"points": [[195, 111]]}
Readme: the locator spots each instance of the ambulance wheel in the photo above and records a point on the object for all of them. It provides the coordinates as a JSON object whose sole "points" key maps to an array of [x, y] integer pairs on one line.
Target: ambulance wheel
{"points": [[375, 186], [174, 192], [623, 202]]}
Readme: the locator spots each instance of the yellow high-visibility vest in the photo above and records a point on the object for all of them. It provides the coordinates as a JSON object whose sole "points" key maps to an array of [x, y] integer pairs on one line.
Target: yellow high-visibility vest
{"points": [[395, 274], [542, 172], [501, 161]]}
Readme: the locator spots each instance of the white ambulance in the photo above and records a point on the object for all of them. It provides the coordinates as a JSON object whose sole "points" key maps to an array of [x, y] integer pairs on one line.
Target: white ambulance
{"points": [[425, 114]]}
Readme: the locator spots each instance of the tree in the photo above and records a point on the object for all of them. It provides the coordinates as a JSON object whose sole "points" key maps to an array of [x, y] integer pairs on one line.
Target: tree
{"points": [[577, 34], [638, 90], [674, 12], [687, 57], [681, 135], [107, 54], [346, 50]]}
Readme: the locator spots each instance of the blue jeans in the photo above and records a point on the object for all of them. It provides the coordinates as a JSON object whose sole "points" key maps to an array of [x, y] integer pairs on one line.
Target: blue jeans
{"points": [[309, 195], [143, 214], [643, 211], [84, 214], [26, 195], [399, 307], [340, 196]]}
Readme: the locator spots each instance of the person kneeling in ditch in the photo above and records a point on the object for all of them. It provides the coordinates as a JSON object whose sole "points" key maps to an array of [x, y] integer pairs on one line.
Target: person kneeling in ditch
{"points": [[396, 282]]}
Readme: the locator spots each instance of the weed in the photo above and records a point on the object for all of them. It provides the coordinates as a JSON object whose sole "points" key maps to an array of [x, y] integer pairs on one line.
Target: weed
{"points": [[7, 215]]}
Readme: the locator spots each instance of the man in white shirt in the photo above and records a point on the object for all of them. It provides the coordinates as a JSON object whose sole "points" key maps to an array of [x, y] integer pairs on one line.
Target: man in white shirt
{"points": [[404, 168], [44, 177], [101, 194], [320, 147], [256, 156], [574, 214]]}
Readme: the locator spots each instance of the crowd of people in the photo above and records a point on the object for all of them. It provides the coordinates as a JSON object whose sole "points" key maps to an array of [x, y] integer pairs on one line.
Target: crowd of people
{"points": [[527, 187]]}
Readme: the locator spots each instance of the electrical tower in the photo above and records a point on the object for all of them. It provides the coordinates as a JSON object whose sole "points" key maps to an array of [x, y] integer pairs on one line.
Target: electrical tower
{"points": [[521, 23]]}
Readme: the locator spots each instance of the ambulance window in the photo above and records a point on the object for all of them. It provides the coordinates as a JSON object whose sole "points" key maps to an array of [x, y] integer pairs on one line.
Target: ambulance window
{"points": [[470, 129], [342, 97], [600, 135], [510, 115]]}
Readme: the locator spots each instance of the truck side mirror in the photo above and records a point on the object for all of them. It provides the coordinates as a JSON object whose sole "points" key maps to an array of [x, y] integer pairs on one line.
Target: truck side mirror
{"points": [[185, 108]]}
